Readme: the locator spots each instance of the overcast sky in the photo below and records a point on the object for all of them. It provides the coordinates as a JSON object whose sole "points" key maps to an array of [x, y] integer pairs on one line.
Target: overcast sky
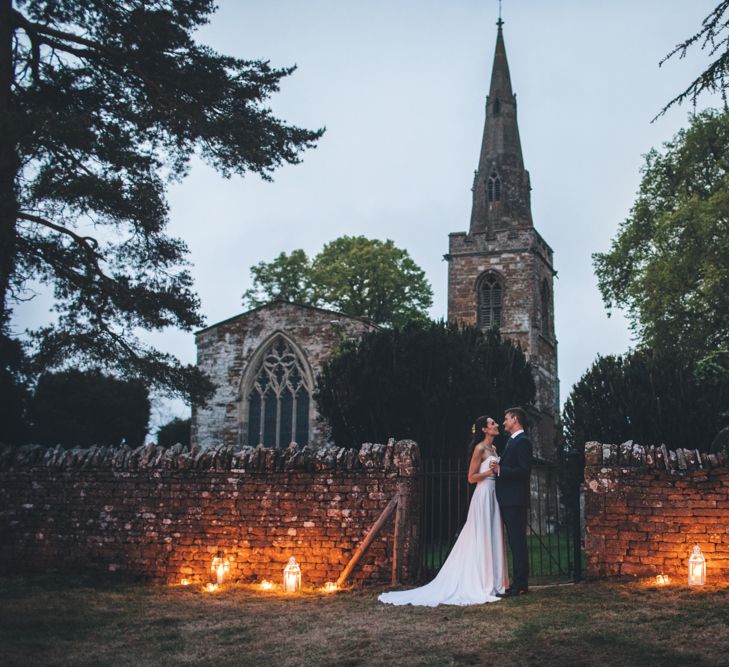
{"points": [[400, 86]]}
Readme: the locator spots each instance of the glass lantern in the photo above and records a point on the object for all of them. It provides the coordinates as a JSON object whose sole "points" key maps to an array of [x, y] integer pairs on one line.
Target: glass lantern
{"points": [[697, 568], [292, 577], [220, 567]]}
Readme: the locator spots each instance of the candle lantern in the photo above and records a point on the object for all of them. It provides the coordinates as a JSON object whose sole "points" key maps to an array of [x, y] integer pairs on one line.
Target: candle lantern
{"points": [[697, 568], [220, 566], [292, 577]]}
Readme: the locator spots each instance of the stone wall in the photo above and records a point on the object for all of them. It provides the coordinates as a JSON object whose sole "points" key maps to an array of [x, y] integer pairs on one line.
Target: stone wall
{"points": [[646, 507], [162, 513]]}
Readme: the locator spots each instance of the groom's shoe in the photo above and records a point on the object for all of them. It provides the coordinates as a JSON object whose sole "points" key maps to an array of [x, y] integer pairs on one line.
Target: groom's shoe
{"points": [[512, 592]]}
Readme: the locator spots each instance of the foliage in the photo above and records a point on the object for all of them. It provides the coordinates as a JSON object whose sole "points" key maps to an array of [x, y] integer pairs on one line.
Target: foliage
{"points": [[647, 398], [77, 409], [426, 382], [13, 393], [357, 276], [714, 35], [175, 431], [669, 264], [102, 104]]}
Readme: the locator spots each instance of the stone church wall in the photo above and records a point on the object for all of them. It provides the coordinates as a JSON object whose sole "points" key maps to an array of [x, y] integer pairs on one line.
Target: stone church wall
{"points": [[162, 513], [225, 351], [646, 507]]}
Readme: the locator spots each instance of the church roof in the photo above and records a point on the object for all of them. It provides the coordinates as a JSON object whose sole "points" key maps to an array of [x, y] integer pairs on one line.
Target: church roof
{"points": [[278, 303]]}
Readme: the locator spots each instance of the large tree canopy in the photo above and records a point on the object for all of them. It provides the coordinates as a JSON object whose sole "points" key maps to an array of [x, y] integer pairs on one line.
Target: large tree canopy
{"points": [[76, 409], [650, 398], [355, 275], [714, 36], [426, 382], [669, 264], [101, 105]]}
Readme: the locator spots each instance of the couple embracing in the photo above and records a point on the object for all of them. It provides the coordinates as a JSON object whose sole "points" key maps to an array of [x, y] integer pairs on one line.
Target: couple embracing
{"points": [[475, 570]]}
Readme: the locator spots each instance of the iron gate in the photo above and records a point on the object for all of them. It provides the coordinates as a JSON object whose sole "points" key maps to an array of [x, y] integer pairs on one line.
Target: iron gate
{"points": [[553, 533]]}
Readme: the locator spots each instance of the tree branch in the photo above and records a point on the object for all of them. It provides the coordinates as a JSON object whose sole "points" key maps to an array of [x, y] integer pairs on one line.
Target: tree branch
{"points": [[87, 243]]}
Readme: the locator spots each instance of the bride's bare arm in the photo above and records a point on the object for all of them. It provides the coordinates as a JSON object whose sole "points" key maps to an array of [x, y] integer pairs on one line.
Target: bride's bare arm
{"points": [[474, 476]]}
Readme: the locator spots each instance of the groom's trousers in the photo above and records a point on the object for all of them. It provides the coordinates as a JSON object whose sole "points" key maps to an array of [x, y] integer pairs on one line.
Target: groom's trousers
{"points": [[515, 520]]}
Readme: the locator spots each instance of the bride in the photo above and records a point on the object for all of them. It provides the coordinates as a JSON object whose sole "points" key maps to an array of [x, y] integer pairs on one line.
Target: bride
{"points": [[475, 570]]}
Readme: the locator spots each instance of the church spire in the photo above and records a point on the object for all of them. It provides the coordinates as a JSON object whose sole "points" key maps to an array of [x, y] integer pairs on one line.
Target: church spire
{"points": [[501, 186]]}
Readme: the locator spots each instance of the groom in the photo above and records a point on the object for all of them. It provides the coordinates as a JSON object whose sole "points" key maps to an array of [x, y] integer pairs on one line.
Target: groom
{"points": [[512, 492]]}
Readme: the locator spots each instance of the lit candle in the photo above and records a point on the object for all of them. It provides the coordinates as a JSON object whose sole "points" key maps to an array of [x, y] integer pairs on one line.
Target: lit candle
{"points": [[266, 585]]}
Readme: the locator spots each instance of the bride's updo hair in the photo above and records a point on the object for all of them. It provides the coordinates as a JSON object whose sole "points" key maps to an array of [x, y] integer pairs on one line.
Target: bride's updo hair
{"points": [[477, 432]]}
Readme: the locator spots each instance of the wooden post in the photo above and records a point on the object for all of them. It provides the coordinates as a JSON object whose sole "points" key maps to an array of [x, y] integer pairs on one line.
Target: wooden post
{"points": [[396, 543], [376, 527]]}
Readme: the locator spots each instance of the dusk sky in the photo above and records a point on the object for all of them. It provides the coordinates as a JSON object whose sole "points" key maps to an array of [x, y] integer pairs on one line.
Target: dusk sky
{"points": [[400, 87]]}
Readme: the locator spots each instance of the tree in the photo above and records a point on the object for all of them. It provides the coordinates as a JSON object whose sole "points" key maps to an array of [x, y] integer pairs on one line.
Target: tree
{"points": [[174, 431], [646, 397], [77, 409], [352, 274], [288, 277], [14, 394], [102, 104], [426, 382], [714, 35], [669, 264]]}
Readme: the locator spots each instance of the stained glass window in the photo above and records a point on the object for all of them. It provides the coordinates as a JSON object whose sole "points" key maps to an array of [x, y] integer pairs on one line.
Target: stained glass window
{"points": [[278, 403]]}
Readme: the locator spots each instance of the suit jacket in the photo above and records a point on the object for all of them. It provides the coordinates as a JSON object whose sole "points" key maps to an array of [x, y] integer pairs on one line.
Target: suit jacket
{"points": [[512, 484]]}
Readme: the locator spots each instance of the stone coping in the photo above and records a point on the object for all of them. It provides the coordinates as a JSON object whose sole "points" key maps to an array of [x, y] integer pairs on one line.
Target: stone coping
{"points": [[401, 458], [652, 457]]}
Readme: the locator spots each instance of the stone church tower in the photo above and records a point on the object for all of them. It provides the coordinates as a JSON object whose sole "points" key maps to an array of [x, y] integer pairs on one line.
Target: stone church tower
{"points": [[500, 273]]}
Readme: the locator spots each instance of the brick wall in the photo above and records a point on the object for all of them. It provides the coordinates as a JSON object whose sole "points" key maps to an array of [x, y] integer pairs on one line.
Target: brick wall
{"points": [[162, 513], [645, 508]]}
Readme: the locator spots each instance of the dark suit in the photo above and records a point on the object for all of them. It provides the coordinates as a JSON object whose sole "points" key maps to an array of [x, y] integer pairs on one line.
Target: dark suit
{"points": [[512, 492]]}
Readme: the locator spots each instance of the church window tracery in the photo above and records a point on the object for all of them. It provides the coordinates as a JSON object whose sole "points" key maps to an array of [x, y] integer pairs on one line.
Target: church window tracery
{"points": [[490, 298], [493, 187], [278, 402]]}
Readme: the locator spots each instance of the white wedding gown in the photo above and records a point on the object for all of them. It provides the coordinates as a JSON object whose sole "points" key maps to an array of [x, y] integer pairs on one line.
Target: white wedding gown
{"points": [[475, 569]]}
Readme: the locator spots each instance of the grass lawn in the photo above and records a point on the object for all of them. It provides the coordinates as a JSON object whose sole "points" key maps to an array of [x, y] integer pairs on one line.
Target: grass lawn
{"points": [[59, 621]]}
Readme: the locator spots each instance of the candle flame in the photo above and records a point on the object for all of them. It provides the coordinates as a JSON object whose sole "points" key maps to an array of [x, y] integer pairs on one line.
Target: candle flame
{"points": [[184, 582], [266, 585]]}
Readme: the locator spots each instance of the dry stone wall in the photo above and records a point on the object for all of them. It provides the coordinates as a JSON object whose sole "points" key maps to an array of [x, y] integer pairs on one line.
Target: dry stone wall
{"points": [[162, 513], [646, 507]]}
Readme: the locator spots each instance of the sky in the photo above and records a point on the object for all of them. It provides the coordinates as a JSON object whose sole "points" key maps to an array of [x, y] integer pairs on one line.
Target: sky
{"points": [[400, 87]]}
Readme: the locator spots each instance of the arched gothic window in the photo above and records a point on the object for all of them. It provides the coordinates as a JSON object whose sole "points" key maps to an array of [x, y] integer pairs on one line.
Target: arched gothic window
{"points": [[546, 310], [279, 397], [490, 297], [497, 107], [493, 187]]}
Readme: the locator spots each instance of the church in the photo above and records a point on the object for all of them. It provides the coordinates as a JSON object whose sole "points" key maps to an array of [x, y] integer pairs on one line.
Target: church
{"points": [[500, 275], [500, 272]]}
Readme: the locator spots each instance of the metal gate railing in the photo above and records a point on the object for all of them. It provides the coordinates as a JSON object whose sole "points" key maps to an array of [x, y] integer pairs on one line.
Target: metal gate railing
{"points": [[554, 535]]}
